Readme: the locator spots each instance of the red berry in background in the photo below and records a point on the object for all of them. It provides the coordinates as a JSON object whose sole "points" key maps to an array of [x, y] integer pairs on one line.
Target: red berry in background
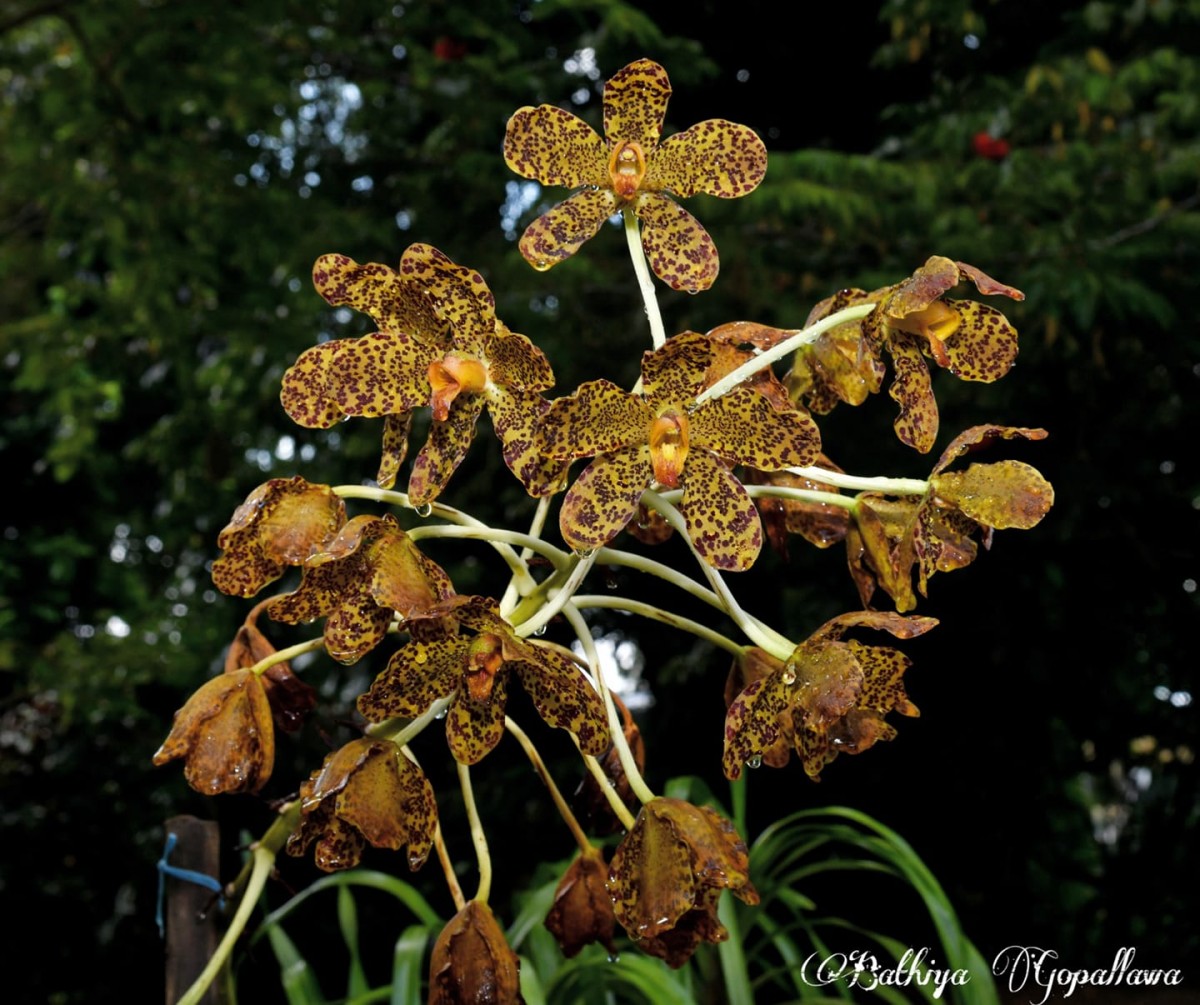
{"points": [[449, 50], [988, 146]]}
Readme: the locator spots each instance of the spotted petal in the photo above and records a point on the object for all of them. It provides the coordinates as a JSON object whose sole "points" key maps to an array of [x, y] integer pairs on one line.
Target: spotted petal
{"points": [[560, 232], [635, 103], [380, 374], [605, 497], [715, 157], [517, 418], [678, 248], [984, 345], [306, 395], [551, 145], [752, 726], [395, 447], [563, 697], [394, 304], [721, 519], [745, 428], [917, 423], [923, 287], [1001, 495], [445, 449], [474, 728], [675, 373], [461, 298], [417, 675], [599, 418], [515, 362]]}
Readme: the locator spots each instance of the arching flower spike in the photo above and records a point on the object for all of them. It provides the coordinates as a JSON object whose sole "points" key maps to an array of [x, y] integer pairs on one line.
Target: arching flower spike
{"points": [[629, 167]]}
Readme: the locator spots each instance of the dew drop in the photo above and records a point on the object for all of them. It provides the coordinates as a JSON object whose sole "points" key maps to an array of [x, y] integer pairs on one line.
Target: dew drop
{"points": [[690, 407], [614, 957], [424, 511], [539, 631], [789, 674], [442, 713], [585, 553], [754, 762]]}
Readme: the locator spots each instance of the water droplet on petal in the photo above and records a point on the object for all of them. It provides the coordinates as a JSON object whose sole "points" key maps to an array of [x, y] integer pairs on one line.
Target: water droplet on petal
{"points": [[614, 957], [755, 761], [539, 631], [441, 714], [424, 511], [789, 674], [585, 552]]}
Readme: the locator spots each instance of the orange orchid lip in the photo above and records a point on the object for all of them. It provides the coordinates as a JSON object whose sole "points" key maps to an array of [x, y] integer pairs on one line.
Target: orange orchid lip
{"points": [[449, 377], [485, 657], [627, 168], [669, 446], [937, 322]]}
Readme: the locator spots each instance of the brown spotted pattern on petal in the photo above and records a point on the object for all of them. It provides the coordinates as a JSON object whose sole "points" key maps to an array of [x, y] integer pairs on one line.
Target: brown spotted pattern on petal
{"points": [[942, 542], [462, 299], [554, 147], [599, 418], [917, 423], [474, 728], [306, 394], [635, 103], [984, 345], [721, 519], [563, 697], [281, 523], [675, 372], [604, 498], [752, 724], [561, 231], [879, 549], [1001, 495], [883, 689], [516, 363], [395, 447], [820, 524], [394, 304], [517, 418], [418, 674], [225, 735], [715, 157], [745, 428], [923, 287], [986, 284], [338, 844], [981, 436], [883, 621], [381, 374], [677, 246], [445, 449]]}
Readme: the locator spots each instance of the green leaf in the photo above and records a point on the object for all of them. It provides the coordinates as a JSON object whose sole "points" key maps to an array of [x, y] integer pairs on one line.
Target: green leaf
{"points": [[356, 983], [408, 965]]}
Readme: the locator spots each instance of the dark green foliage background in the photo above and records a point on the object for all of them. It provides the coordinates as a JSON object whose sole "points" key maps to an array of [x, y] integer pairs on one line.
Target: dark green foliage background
{"points": [[157, 226]]}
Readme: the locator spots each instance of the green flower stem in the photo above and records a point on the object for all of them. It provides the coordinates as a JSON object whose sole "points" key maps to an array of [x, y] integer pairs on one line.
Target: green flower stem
{"points": [[584, 601], [561, 597], [761, 635], [611, 556], [404, 734], [633, 238], [519, 569], [505, 539], [624, 754], [439, 843], [477, 836], [283, 655], [781, 349], [539, 766], [801, 495], [889, 486], [515, 586], [620, 810], [262, 862]]}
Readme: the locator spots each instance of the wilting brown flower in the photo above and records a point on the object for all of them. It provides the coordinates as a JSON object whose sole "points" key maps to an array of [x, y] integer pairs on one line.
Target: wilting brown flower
{"points": [[830, 697], [472, 963], [935, 532], [281, 523], [290, 698], [583, 912], [668, 874], [367, 792], [589, 802], [225, 736]]}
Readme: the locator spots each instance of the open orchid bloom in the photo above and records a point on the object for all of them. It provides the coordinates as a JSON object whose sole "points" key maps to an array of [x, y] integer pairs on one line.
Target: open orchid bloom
{"points": [[830, 696], [913, 321], [439, 344], [936, 532], [630, 168], [367, 792], [668, 874], [475, 668], [282, 523], [368, 574], [662, 436]]}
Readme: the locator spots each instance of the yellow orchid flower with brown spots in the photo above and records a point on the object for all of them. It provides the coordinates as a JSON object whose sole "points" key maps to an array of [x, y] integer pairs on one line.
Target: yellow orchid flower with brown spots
{"points": [[630, 168], [439, 344], [662, 436]]}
